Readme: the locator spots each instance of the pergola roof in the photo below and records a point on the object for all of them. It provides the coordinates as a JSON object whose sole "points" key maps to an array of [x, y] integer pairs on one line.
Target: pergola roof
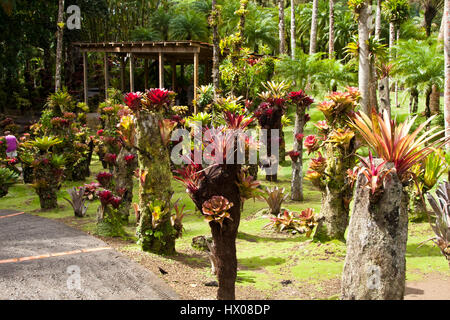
{"points": [[172, 50]]}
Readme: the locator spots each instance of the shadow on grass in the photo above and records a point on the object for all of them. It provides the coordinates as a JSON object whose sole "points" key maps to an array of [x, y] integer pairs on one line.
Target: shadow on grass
{"points": [[257, 262], [193, 260], [245, 279], [426, 250], [255, 238]]}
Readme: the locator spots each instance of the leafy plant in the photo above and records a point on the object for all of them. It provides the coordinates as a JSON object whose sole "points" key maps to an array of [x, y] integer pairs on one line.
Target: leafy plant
{"points": [[274, 198], [303, 222], [441, 218], [216, 209], [45, 143], [7, 179], [77, 201], [375, 174], [394, 143]]}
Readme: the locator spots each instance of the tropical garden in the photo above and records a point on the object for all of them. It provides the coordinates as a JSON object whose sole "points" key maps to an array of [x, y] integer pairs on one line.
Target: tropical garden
{"points": [[316, 165]]}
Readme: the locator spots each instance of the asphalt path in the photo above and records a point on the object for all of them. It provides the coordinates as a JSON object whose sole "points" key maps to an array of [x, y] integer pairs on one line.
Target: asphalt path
{"points": [[45, 259]]}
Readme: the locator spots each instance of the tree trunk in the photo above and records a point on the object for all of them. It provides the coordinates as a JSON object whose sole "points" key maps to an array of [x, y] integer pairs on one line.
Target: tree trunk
{"points": [[297, 166], [281, 27], [222, 182], [364, 63], [313, 36], [216, 40], [435, 97], [155, 184], [447, 70], [383, 87], [397, 105], [331, 31], [414, 100], [123, 176], [293, 44], [373, 101], [59, 44], [418, 210], [378, 21], [375, 263], [430, 12], [333, 219]]}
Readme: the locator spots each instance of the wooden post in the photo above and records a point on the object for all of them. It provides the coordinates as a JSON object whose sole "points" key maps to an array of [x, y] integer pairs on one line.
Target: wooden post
{"points": [[195, 80], [105, 63], [174, 75], [122, 73], [146, 73], [131, 72], [161, 70], [85, 77]]}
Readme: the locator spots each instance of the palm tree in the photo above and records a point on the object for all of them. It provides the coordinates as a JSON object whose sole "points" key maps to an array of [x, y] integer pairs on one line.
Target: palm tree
{"points": [[189, 25], [396, 11], [313, 35], [281, 27], [331, 30], [214, 22], [364, 70], [161, 20], [59, 44], [446, 32], [430, 8], [293, 44], [260, 29], [378, 20], [421, 64]]}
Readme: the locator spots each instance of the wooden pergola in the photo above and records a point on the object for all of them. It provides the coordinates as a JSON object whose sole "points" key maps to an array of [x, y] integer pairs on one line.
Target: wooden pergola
{"points": [[172, 52]]}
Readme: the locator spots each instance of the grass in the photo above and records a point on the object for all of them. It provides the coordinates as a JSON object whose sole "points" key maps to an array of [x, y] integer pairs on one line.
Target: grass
{"points": [[265, 258]]}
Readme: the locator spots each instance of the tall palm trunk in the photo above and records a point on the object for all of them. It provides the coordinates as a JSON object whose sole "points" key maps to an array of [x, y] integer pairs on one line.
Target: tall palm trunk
{"points": [[281, 27], [59, 45], [292, 30], [364, 63], [447, 70], [331, 31], [435, 100], [378, 21], [313, 37], [215, 71]]}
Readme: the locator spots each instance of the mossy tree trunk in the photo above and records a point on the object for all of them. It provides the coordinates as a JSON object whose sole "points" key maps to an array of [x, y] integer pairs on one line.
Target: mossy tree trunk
{"points": [[155, 184], [123, 175], [336, 193], [375, 264], [222, 182], [297, 166]]}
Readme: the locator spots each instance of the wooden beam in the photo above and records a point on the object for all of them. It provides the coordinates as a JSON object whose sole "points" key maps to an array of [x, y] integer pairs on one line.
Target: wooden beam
{"points": [[131, 72], [106, 67], [146, 74], [161, 70], [85, 77], [195, 80], [122, 73]]}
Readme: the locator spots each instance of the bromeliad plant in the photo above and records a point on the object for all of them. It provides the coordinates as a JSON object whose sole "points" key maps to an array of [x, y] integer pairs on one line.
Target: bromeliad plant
{"points": [[48, 170], [335, 146], [440, 218], [395, 143], [275, 198], [294, 222], [77, 201], [427, 174]]}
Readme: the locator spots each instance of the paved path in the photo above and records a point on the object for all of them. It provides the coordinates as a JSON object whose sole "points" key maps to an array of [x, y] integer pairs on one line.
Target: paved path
{"points": [[40, 259]]}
